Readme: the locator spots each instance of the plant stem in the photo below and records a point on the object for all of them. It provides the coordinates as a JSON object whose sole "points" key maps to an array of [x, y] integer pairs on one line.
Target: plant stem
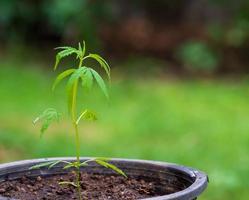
{"points": [[77, 139], [78, 160], [80, 64]]}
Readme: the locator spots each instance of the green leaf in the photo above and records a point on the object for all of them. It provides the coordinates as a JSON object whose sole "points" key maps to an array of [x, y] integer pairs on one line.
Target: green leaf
{"points": [[87, 115], [76, 75], [87, 79], [68, 166], [55, 163], [84, 49], [74, 164], [38, 166], [49, 164], [100, 82], [103, 159], [83, 164], [72, 85], [61, 76], [111, 166], [102, 63], [80, 49], [68, 183], [57, 60], [65, 52], [47, 117], [64, 47]]}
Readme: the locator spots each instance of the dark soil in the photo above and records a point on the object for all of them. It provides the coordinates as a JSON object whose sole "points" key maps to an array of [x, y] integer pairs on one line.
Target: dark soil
{"points": [[93, 186]]}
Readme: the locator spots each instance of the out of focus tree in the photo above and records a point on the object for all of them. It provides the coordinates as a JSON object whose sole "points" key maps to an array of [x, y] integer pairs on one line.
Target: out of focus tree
{"points": [[160, 28], [50, 20]]}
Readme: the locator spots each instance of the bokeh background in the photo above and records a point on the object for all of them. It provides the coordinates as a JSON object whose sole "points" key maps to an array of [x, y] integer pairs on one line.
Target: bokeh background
{"points": [[180, 85]]}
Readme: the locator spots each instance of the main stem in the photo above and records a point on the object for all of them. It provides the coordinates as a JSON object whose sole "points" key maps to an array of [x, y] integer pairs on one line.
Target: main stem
{"points": [[77, 139], [78, 160]]}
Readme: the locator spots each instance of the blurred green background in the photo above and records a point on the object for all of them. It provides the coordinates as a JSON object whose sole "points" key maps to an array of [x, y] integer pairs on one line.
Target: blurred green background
{"points": [[180, 85]]}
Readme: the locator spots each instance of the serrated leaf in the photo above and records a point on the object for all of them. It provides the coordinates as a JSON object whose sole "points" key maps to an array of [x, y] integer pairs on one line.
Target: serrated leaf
{"points": [[74, 164], [49, 164], [87, 161], [102, 63], [87, 115], [65, 52], [76, 75], [68, 166], [61, 76], [100, 82], [87, 79], [38, 166], [64, 47], [101, 60], [47, 117], [55, 163], [111, 166], [72, 85]]}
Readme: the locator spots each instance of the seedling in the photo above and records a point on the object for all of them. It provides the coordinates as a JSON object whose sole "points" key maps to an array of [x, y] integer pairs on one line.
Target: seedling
{"points": [[81, 76]]}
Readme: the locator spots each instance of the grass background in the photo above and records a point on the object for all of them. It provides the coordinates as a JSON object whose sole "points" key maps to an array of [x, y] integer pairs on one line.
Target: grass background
{"points": [[198, 123]]}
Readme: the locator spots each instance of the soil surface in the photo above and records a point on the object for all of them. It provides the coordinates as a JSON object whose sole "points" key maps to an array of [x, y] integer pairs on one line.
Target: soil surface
{"points": [[93, 186]]}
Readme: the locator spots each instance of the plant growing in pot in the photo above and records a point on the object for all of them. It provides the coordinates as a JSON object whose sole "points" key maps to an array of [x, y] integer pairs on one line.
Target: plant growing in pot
{"points": [[93, 178]]}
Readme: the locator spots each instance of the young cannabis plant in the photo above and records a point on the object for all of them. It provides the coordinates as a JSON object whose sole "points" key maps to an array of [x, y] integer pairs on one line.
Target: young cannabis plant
{"points": [[80, 76]]}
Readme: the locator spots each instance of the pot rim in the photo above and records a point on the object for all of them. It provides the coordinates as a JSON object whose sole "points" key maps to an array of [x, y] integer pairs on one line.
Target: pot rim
{"points": [[194, 190]]}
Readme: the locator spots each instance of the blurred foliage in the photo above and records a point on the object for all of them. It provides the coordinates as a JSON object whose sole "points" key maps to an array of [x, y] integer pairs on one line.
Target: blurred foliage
{"points": [[51, 19], [198, 56], [75, 20], [236, 35], [197, 123], [221, 26]]}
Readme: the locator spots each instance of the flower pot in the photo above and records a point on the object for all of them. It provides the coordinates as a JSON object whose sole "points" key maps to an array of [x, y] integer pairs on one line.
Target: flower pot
{"points": [[193, 182]]}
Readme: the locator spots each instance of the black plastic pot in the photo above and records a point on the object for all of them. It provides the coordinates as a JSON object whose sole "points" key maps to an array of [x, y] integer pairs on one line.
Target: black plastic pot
{"points": [[194, 180]]}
